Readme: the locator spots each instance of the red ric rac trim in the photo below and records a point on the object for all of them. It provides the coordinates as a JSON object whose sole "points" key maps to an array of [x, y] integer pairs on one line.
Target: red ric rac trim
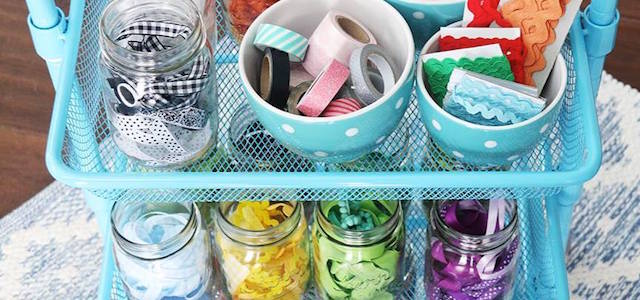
{"points": [[514, 50], [486, 12]]}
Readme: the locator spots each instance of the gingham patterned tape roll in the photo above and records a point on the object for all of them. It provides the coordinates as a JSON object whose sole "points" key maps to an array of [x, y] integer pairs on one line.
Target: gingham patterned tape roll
{"points": [[340, 107], [273, 36]]}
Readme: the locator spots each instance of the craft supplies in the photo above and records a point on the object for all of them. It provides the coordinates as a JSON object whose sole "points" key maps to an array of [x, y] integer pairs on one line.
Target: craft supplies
{"points": [[487, 60], [323, 89], [295, 95], [545, 25], [345, 66], [340, 107], [482, 102], [480, 146], [285, 40], [359, 66], [484, 13], [358, 249], [263, 249], [337, 35], [472, 249], [298, 75], [274, 77], [239, 14], [337, 138], [162, 251], [158, 81], [509, 39]]}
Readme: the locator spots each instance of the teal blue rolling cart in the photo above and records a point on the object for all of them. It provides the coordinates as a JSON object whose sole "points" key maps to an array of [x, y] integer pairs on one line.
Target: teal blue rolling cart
{"points": [[546, 183]]}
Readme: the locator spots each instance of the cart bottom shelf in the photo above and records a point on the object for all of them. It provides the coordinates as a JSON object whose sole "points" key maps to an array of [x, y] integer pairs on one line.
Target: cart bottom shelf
{"points": [[535, 278]]}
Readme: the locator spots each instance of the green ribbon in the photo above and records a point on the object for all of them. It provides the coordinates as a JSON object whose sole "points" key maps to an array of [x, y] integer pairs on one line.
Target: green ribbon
{"points": [[357, 272], [439, 71]]}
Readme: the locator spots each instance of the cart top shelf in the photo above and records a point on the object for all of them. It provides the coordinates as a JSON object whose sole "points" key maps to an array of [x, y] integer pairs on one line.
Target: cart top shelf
{"points": [[81, 153]]}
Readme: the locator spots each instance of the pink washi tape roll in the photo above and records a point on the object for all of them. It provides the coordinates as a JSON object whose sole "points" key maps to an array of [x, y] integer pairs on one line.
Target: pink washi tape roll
{"points": [[323, 89], [340, 107], [335, 38]]}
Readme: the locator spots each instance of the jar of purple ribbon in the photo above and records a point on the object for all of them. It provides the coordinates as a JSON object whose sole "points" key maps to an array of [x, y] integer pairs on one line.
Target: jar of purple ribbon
{"points": [[472, 249]]}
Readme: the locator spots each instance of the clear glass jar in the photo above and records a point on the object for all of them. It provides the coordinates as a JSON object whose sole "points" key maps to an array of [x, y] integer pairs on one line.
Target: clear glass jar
{"points": [[239, 14], [159, 85], [162, 251], [465, 258], [263, 249], [351, 263]]}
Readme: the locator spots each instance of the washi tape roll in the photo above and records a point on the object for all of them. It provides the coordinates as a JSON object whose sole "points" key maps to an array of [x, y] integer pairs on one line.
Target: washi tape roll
{"points": [[335, 38], [323, 89], [340, 107], [363, 86], [274, 77], [298, 75], [273, 36], [295, 95]]}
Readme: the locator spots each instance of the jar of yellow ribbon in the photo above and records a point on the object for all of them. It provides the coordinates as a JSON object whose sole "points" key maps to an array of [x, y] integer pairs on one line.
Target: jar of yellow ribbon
{"points": [[263, 249]]}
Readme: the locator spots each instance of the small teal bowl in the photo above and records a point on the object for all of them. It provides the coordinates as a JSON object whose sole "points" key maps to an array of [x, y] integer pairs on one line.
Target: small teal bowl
{"points": [[347, 137], [489, 145], [425, 17]]}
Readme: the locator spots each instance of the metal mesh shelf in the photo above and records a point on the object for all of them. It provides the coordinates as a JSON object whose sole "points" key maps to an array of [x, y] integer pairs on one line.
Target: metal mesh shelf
{"points": [[408, 162]]}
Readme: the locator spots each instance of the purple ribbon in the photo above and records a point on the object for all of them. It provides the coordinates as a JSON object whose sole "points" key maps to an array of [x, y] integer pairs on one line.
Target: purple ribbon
{"points": [[465, 276]]}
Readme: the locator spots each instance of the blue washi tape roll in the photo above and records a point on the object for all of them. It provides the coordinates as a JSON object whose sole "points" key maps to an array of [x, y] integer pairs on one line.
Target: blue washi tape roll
{"points": [[274, 36]]}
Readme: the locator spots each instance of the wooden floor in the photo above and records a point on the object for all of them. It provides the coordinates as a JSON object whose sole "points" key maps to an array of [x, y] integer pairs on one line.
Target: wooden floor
{"points": [[26, 97]]}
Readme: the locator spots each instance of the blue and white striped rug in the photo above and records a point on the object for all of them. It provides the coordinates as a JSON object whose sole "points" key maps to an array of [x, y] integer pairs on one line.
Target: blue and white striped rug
{"points": [[50, 247]]}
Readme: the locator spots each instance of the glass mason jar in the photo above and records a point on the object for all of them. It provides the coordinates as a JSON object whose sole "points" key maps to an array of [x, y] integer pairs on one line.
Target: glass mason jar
{"points": [[263, 249], [162, 251], [159, 85], [472, 249], [239, 14], [351, 262]]}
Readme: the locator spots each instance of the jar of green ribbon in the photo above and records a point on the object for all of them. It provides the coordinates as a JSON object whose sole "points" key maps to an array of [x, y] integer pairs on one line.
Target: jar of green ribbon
{"points": [[359, 249]]}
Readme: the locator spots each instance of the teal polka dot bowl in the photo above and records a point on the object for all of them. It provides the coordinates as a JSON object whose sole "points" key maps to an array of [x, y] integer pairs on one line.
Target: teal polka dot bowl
{"points": [[489, 145], [347, 137], [425, 17]]}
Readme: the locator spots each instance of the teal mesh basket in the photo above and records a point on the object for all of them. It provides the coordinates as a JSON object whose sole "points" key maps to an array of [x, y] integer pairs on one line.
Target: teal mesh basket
{"points": [[408, 166]]}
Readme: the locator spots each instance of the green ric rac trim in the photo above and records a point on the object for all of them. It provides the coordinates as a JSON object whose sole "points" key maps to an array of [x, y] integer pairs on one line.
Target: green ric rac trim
{"points": [[438, 72]]}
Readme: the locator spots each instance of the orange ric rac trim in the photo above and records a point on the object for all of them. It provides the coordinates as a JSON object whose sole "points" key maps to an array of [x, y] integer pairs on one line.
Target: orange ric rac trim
{"points": [[537, 20]]}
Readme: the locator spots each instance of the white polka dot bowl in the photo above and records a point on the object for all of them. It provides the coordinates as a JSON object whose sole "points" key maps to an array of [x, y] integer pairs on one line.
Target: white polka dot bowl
{"points": [[425, 17], [489, 145], [346, 137]]}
